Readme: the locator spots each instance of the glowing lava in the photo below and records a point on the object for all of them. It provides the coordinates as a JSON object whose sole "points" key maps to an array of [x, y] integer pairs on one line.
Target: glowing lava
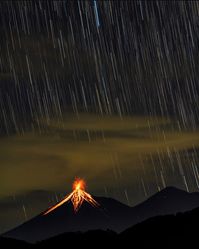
{"points": [[77, 196]]}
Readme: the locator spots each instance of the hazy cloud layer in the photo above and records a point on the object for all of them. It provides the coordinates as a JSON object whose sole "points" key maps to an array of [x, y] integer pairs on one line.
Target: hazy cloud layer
{"points": [[102, 150], [113, 155]]}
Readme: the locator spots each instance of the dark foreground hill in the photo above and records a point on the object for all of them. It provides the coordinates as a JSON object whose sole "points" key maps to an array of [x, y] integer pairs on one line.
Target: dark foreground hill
{"points": [[162, 232], [13, 243], [169, 231], [112, 215]]}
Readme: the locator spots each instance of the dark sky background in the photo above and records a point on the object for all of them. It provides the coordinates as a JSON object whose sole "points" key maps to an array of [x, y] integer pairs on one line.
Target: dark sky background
{"points": [[104, 90]]}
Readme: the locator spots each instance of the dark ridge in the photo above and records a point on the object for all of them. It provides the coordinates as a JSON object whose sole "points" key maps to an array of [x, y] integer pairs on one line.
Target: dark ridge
{"points": [[165, 232], [111, 215]]}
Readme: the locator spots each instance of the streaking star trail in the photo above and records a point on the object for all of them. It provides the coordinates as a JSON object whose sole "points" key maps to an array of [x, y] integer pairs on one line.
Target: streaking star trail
{"points": [[77, 196], [105, 89]]}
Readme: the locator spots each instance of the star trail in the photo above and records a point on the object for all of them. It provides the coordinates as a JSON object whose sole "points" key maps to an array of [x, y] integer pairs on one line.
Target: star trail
{"points": [[105, 89]]}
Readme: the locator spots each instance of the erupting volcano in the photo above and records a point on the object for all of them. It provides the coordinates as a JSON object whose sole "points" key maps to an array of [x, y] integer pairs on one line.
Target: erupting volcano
{"points": [[77, 196]]}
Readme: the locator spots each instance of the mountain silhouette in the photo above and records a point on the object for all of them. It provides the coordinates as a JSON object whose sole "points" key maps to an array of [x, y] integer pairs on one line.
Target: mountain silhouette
{"points": [[13, 243], [165, 232], [111, 215], [169, 231]]}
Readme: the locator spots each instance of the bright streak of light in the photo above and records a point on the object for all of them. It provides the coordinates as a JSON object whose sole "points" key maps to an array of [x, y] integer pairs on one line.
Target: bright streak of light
{"points": [[77, 196]]}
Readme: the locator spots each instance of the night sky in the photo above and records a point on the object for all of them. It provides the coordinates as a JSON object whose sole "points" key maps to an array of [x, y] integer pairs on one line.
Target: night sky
{"points": [[104, 90]]}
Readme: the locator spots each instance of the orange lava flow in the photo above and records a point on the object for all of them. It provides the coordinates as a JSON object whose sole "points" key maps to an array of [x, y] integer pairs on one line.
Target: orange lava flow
{"points": [[77, 196]]}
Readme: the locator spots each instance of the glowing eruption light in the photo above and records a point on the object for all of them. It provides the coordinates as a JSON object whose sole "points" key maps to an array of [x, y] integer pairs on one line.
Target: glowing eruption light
{"points": [[77, 196]]}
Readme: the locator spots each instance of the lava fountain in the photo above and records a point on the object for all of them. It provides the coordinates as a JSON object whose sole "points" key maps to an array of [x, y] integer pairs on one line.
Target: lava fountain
{"points": [[77, 196]]}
